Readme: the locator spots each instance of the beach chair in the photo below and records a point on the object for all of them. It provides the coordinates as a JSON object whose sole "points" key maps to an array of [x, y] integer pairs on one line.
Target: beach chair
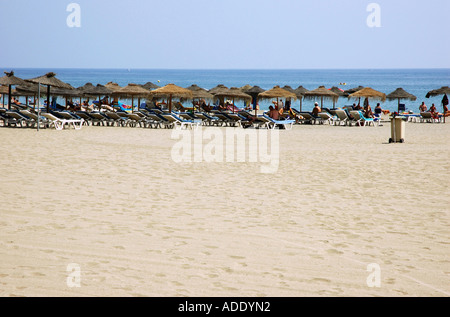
{"points": [[272, 123], [60, 124], [342, 117], [155, 120], [116, 118], [100, 118], [207, 119], [135, 119], [309, 118], [326, 117], [20, 119], [43, 122], [179, 122], [360, 119], [225, 119], [6, 120]]}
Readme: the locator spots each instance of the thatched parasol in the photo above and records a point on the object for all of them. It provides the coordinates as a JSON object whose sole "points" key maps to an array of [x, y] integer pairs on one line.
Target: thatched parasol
{"points": [[245, 88], [368, 92], [113, 86], [200, 93], [300, 92], [398, 94], [277, 92], [150, 86], [10, 80], [215, 89], [254, 92], [323, 93], [350, 91], [133, 91], [233, 93], [288, 88], [170, 91], [49, 80], [438, 92]]}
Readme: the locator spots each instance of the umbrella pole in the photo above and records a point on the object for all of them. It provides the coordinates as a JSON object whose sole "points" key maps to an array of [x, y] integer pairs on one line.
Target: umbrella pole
{"points": [[398, 106], [48, 98], [9, 97], [38, 106]]}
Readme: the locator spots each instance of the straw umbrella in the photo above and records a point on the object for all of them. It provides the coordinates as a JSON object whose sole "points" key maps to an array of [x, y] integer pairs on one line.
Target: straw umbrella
{"points": [[350, 91], [200, 93], [245, 88], [277, 92], [323, 93], [113, 86], [170, 91], [368, 92], [300, 92], [49, 80], [234, 93], [438, 92], [398, 94], [149, 86], [254, 92], [338, 91], [132, 90], [217, 88], [10, 80]]}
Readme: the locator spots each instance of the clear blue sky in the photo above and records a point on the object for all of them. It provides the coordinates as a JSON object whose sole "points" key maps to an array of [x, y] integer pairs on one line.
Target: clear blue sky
{"points": [[225, 34]]}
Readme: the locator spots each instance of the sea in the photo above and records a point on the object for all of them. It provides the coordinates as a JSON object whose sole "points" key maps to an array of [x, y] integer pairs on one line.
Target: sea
{"points": [[415, 81]]}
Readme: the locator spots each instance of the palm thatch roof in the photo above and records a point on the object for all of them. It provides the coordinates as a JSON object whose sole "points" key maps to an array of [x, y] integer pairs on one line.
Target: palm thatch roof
{"points": [[200, 93], [50, 79], [289, 88], [368, 92], [150, 86], [245, 88], [131, 90], [234, 93], [400, 93], [352, 90], [437, 92], [337, 90], [10, 80], [213, 90], [277, 92], [321, 92], [113, 86], [254, 91], [171, 90], [300, 91]]}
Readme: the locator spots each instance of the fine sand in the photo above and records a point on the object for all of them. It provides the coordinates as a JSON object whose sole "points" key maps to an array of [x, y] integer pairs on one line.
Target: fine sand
{"points": [[113, 203]]}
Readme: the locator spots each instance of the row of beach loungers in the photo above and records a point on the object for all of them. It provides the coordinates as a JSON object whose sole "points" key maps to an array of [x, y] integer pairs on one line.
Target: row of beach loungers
{"points": [[155, 118]]}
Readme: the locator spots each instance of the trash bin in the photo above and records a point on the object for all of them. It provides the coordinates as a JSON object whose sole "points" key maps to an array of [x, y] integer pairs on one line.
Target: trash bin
{"points": [[397, 130]]}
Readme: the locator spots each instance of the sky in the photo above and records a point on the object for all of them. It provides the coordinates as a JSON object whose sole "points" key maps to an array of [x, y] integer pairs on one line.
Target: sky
{"points": [[225, 34]]}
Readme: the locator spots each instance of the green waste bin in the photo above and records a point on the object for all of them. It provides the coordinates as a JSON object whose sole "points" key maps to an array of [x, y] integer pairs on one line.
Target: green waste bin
{"points": [[397, 130]]}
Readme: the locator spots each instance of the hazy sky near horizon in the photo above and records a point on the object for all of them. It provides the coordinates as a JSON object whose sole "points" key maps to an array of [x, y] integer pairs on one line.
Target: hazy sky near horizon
{"points": [[225, 34]]}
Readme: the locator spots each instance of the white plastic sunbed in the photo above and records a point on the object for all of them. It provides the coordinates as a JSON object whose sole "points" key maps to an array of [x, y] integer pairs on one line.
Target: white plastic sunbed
{"points": [[59, 124]]}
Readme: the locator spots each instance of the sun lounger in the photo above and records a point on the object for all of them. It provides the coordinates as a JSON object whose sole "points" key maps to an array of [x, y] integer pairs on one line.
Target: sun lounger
{"points": [[326, 117], [308, 117], [43, 122], [20, 119], [179, 122], [207, 119], [115, 118], [100, 118], [135, 119], [272, 123], [60, 124], [427, 117], [342, 117], [359, 118]]}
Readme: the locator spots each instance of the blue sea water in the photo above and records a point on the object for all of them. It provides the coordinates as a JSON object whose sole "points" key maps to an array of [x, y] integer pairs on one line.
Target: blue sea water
{"points": [[415, 81]]}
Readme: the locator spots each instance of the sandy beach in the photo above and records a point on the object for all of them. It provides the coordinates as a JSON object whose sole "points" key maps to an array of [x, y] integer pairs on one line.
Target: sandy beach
{"points": [[112, 202]]}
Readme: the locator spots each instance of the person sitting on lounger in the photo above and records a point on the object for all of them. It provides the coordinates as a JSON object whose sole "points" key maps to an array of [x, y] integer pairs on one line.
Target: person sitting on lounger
{"points": [[423, 107], [368, 112], [316, 110], [273, 113], [434, 112]]}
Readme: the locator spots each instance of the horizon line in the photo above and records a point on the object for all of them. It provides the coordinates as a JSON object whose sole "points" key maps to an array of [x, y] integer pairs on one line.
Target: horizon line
{"points": [[268, 69]]}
